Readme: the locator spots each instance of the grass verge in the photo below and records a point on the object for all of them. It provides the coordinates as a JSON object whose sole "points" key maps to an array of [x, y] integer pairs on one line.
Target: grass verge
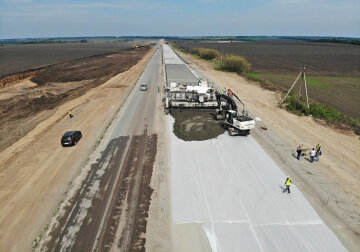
{"points": [[318, 110], [256, 77]]}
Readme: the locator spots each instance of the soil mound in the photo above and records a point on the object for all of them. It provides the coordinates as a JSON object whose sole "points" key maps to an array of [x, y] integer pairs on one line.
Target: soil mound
{"points": [[196, 125]]}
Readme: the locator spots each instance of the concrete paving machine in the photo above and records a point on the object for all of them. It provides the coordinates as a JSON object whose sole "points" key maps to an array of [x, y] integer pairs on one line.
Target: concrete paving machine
{"points": [[236, 123], [190, 96]]}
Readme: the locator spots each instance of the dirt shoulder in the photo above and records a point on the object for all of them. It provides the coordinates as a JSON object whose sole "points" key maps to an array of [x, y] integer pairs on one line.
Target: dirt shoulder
{"points": [[332, 184], [36, 171]]}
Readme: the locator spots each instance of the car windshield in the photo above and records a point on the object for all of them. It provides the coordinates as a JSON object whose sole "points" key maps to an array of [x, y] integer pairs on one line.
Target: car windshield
{"points": [[69, 133]]}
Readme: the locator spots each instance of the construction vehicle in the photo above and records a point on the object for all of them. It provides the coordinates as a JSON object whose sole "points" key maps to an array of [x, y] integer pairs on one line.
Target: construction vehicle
{"points": [[199, 95], [236, 123]]}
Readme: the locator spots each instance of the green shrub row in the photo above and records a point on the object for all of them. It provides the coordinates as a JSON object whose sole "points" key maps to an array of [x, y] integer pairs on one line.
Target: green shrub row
{"points": [[339, 41], [205, 53], [321, 111], [235, 63], [228, 62]]}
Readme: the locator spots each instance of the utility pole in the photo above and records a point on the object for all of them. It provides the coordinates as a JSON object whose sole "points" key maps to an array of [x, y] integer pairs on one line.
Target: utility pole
{"points": [[303, 80], [221, 57], [307, 97], [299, 92]]}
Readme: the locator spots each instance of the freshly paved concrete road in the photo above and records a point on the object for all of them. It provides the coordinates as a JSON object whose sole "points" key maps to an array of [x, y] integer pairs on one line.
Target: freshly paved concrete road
{"points": [[233, 189], [108, 208]]}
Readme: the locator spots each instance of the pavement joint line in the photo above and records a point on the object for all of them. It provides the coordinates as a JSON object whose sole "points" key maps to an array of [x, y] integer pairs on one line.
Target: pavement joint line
{"points": [[246, 213]]}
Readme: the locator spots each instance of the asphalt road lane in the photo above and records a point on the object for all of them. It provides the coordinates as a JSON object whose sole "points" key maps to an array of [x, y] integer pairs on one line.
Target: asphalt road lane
{"points": [[108, 211], [139, 110]]}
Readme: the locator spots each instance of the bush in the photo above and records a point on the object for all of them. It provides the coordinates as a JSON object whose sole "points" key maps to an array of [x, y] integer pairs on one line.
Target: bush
{"points": [[321, 111], [296, 106], [324, 112], [205, 53], [195, 51], [235, 63], [355, 124], [208, 54]]}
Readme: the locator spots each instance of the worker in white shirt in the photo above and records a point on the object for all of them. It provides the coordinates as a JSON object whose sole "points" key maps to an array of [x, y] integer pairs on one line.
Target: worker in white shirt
{"points": [[312, 155]]}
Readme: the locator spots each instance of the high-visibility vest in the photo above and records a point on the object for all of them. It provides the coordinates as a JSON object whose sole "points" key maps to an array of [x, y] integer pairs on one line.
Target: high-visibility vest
{"points": [[70, 112], [288, 182], [222, 91]]}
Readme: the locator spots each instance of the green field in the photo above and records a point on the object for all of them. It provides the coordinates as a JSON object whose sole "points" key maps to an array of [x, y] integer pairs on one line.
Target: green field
{"points": [[340, 92]]}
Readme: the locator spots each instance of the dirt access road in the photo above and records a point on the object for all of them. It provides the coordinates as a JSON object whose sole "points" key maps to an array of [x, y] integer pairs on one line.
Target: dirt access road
{"points": [[331, 185], [36, 172]]}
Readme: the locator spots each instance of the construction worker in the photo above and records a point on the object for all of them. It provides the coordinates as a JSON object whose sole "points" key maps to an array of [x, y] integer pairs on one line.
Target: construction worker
{"points": [[318, 152], [299, 150], [312, 155], [70, 114], [287, 185], [222, 91]]}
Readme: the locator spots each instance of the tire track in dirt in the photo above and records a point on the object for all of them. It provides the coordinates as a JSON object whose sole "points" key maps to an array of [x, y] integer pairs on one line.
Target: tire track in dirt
{"points": [[110, 209]]}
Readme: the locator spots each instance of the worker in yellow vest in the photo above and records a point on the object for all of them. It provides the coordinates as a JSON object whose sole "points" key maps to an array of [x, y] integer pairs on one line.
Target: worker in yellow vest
{"points": [[70, 114], [287, 185]]}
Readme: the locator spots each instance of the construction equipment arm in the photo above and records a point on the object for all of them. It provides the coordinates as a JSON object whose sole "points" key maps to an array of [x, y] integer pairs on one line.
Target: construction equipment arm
{"points": [[230, 91]]}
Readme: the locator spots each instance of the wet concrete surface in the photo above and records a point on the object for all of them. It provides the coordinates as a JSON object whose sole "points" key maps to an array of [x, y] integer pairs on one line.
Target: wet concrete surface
{"points": [[196, 125]]}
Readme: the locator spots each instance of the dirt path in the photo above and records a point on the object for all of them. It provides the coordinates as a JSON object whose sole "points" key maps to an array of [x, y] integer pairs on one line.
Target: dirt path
{"points": [[36, 170], [331, 185]]}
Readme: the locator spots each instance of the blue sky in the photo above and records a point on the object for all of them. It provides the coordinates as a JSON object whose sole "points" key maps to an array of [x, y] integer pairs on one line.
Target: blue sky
{"points": [[38, 18]]}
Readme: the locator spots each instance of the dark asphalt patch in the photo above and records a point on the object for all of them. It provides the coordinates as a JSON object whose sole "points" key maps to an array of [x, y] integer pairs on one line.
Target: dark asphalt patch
{"points": [[85, 238], [196, 125], [120, 205]]}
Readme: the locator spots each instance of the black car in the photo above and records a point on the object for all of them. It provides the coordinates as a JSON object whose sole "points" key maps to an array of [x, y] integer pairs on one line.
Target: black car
{"points": [[70, 138]]}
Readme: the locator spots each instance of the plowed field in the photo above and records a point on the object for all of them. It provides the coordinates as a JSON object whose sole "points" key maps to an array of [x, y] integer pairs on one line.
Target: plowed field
{"points": [[16, 58], [333, 70], [25, 104]]}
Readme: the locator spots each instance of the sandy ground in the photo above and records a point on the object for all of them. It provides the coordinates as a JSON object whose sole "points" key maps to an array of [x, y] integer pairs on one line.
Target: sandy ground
{"points": [[36, 171], [331, 185]]}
